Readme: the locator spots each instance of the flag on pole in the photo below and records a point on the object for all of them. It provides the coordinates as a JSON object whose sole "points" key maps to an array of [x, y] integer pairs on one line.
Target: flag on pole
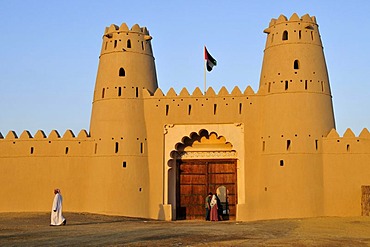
{"points": [[210, 61]]}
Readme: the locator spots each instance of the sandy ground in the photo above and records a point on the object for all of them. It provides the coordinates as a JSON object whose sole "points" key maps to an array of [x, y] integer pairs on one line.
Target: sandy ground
{"points": [[32, 229]]}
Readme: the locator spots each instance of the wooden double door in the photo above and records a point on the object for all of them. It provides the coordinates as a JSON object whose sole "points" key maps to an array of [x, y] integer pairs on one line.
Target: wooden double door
{"points": [[196, 178]]}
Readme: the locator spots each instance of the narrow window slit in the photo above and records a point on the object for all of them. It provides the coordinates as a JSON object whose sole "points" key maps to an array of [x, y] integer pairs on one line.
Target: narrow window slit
{"points": [[167, 109]]}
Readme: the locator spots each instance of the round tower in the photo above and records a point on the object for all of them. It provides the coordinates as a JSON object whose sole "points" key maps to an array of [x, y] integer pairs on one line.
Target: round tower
{"points": [[119, 174], [296, 113], [126, 66], [294, 78]]}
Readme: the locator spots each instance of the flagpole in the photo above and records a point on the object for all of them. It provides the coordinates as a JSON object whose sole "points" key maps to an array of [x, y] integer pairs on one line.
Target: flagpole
{"points": [[209, 63], [205, 77]]}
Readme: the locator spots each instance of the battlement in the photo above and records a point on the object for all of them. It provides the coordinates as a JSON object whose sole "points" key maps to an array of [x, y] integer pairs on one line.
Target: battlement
{"points": [[236, 92], [294, 18], [293, 31], [136, 39], [40, 135], [349, 143], [348, 134], [124, 28], [41, 145]]}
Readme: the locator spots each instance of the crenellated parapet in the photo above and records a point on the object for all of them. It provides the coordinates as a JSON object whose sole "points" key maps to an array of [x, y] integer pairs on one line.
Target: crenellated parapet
{"points": [[347, 143], [197, 106], [223, 92], [121, 39], [294, 18], [293, 30], [40, 135], [42, 145]]}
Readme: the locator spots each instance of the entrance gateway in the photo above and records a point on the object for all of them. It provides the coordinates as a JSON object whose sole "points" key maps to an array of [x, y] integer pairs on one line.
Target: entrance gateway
{"points": [[198, 177], [200, 159], [206, 163]]}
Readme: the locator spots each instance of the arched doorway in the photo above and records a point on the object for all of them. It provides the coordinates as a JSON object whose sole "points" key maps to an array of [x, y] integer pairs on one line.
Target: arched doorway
{"points": [[205, 163]]}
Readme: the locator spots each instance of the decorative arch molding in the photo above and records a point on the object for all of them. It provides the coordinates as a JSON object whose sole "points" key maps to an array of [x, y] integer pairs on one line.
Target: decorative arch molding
{"points": [[203, 145], [173, 133]]}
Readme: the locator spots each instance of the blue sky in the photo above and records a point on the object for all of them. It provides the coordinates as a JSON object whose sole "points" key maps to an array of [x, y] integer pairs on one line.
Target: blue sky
{"points": [[49, 52]]}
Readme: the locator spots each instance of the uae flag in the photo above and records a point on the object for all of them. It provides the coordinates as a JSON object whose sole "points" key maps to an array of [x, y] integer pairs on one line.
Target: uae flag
{"points": [[210, 61]]}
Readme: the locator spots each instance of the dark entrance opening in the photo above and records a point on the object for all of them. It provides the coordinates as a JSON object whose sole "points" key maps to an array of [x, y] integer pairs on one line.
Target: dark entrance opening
{"points": [[195, 178]]}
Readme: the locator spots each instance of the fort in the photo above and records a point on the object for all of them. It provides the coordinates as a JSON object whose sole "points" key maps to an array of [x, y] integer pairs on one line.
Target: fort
{"points": [[268, 154]]}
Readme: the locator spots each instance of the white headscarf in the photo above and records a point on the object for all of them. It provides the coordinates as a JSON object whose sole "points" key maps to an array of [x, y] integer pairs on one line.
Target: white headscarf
{"points": [[213, 201]]}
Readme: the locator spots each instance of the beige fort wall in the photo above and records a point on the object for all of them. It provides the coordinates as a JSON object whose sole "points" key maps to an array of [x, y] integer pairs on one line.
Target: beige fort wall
{"points": [[31, 167], [90, 174], [346, 168]]}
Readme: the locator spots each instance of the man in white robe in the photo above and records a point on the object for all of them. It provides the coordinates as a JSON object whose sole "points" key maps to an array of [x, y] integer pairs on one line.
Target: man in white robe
{"points": [[57, 218]]}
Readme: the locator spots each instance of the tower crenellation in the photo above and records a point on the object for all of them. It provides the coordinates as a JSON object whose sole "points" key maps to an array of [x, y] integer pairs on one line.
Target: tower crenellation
{"points": [[294, 29], [122, 38]]}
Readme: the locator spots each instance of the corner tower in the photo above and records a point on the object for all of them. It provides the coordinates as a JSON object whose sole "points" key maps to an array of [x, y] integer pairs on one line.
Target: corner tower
{"points": [[126, 66], [117, 126], [296, 113], [294, 77]]}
